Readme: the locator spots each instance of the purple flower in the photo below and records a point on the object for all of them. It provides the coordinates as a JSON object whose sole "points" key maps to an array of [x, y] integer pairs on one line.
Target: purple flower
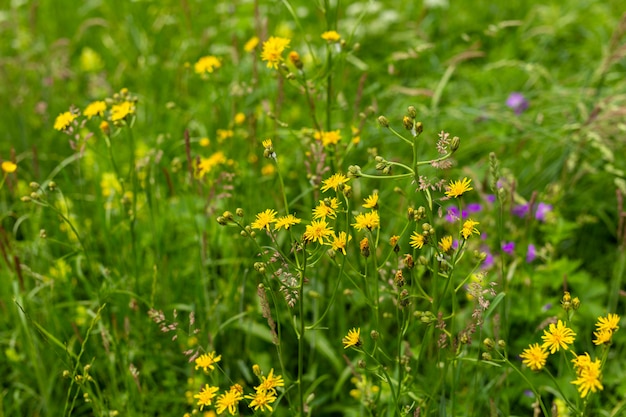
{"points": [[520, 210], [531, 253], [474, 207], [547, 307], [517, 102], [508, 247], [542, 210], [491, 198]]}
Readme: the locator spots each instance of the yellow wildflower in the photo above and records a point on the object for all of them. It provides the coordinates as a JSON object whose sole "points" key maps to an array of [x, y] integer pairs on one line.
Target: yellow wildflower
{"points": [[340, 241], [371, 201], [417, 240], [206, 64], [318, 230], [469, 227], [335, 182], [207, 361], [264, 219], [229, 400], [273, 49], [251, 44], [457, 188], [122, 110], [557, 336], [262, 399], [534, 357], [286, 222], [64, 120], [589, 376], [96, 108], [9, 167], [353, 339], [331, 36], [206, 395], [445, 244], [370, 220]]}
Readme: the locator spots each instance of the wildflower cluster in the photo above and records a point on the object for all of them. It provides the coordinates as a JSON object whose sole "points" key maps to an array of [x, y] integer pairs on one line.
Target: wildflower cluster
{"points": [[264, 395], [116, 110], [558, 336]]}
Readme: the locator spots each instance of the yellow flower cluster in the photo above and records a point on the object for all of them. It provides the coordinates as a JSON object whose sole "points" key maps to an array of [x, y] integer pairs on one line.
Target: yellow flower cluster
{"points": [[265, 393], [120, 108], [558, 336]]}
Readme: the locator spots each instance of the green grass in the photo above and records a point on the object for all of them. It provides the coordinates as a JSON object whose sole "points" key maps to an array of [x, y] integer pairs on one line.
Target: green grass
{"points": [[122, 259]]}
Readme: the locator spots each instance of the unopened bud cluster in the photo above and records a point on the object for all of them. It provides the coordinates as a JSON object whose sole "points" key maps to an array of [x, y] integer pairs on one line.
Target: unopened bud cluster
{"points": [[568, 303]]}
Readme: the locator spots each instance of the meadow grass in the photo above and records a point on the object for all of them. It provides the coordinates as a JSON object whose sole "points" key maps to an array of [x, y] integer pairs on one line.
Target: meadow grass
{"points": [[312, 208]]}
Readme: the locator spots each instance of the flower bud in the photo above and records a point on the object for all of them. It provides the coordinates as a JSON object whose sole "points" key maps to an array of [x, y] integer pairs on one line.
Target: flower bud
{"points": [[407, 122], [454, 145], [239, 212], [52, 185], [382, 120], [489, 343], [374, 335], [412, 112], [419, 127]]}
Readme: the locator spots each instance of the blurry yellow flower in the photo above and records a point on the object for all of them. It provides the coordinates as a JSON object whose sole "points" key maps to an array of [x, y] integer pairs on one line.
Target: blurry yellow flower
{"points": [[90, 60], [369, 220], [223, 134], [273, 49], [207, 361], [9, 167], [318, 230], [334, 182], [110, 185], [328, 138], [264, 219], [251, 44], [457, 188], [331, 36], [204, 142], [534, 357], [104, 127], [268, 169], [96, 108], [240, 118], [417, 240], [206, 64], [207, 164], [122, 110], [557, 336], [64, 120], [353, 339]]}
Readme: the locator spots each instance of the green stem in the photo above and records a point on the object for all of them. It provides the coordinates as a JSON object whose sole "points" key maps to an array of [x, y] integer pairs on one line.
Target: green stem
{"points": [[301, 333]]}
